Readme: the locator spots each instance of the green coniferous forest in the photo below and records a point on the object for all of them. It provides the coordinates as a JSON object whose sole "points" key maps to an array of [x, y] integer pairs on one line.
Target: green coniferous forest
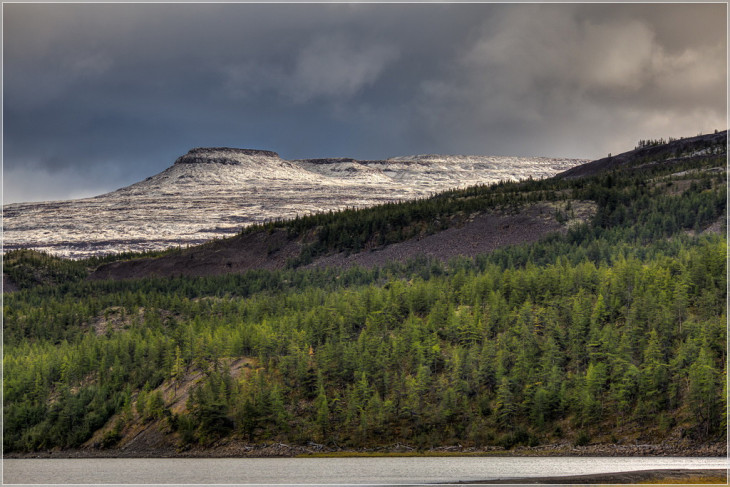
{"points": [[612, 331]]}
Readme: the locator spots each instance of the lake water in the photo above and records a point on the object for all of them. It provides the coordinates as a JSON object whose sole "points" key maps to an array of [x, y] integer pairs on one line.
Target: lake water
{"points": [[390, 470]]}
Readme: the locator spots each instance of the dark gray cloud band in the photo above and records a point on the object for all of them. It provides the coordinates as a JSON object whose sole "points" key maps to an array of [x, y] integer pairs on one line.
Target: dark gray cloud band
{"points": [[98, 96]]}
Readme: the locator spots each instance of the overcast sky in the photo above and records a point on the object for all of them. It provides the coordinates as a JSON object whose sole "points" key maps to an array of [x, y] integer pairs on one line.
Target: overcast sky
{"points": [[98, 96]]}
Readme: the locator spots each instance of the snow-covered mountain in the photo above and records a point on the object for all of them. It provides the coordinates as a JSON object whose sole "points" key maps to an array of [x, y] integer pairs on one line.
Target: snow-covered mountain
{"points": [[213, 192]]}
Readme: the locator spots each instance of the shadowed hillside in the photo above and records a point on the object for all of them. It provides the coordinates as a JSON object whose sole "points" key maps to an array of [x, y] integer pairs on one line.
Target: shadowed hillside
{"points": [[456, 223], [653, 153]]}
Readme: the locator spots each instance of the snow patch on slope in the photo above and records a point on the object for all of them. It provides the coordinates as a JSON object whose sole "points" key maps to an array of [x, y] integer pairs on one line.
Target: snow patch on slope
{"points": [[213, 192]]}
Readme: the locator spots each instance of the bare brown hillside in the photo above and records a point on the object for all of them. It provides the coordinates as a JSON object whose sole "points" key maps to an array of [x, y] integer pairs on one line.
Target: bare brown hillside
{"points": [[481, 233], [261, 250]]}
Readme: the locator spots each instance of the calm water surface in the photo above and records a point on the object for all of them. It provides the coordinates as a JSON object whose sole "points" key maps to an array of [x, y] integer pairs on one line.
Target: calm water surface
{"points": [[323, 470]]}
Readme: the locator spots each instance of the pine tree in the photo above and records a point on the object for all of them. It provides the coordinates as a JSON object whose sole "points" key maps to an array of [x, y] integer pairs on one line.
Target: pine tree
{"points": [[178, 368], [505, 406], [654, 376], [322, 409], [703, 391]]}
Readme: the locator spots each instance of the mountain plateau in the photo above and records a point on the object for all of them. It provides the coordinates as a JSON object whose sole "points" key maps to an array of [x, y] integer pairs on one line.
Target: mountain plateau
{"points": [[214, 192]]}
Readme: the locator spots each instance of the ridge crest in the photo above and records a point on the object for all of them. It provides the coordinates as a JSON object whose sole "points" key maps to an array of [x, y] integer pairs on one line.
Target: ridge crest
{"points": [[221, 155]]}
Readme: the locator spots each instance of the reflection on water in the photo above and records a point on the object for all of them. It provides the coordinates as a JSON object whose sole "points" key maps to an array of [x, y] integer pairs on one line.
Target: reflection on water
{"points": [[390, 470]]}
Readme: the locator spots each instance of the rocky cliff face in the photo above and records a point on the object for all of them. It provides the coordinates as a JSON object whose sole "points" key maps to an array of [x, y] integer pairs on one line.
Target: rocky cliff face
{"points": [[213, 192], [225, 155]]}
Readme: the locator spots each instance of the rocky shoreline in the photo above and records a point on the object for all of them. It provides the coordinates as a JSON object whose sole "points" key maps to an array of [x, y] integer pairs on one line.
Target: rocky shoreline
{"points": [[674, 476], [232, 449]]}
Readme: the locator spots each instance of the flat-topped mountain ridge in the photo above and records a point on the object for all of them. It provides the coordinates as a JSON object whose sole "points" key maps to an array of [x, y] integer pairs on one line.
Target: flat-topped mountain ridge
{"points": [[224, 155], [213, 192]]}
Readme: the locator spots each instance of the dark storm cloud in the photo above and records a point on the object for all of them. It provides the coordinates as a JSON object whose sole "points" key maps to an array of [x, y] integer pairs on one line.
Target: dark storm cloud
{"points": [[549, 74], [103, 95]]}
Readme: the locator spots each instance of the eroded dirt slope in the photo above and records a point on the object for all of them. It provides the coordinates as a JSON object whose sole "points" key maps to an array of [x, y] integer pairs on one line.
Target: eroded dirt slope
{"points": [[482, 233]]}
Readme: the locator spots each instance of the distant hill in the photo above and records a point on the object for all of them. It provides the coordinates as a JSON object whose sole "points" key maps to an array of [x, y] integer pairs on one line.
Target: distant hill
{"points": [[653, 153], [214, 192], [457, 223]]}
